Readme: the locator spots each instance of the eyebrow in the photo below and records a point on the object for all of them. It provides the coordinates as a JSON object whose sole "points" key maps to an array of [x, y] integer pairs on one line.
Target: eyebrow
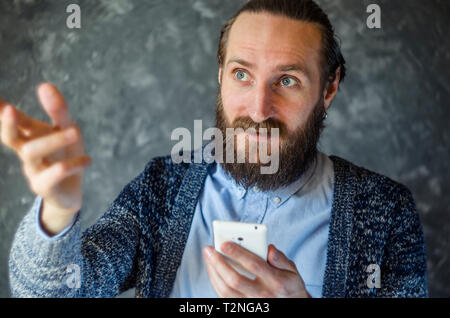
{"points": [[283, 68]]}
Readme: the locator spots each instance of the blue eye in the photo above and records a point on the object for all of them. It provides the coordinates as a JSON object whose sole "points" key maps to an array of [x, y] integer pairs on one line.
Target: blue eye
{"points": [[241, 75], [288, 81]]}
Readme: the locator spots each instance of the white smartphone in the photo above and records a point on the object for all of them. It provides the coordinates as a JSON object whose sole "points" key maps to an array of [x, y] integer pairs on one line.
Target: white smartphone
{"points": [[250, 236]]}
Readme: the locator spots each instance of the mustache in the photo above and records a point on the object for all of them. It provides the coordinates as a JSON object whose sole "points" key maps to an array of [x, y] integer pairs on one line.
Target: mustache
{"points": [[246, 123]]}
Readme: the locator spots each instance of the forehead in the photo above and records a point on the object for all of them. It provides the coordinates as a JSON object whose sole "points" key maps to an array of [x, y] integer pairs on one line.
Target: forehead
{"points": [[269, 40]]}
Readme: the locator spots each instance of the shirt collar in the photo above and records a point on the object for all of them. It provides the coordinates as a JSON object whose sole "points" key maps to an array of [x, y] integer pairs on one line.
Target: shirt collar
{"points": [[276, 197]]}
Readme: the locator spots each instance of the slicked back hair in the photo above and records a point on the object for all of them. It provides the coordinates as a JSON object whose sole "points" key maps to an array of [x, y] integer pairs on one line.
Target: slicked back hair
{"points": [[301, 10]]}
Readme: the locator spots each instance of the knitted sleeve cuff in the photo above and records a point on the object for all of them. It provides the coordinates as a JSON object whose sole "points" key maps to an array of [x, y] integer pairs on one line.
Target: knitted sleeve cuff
{"points": [[37, 210]]}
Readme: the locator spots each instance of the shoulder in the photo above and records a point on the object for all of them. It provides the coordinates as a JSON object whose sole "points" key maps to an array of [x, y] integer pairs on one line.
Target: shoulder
{"points": [[381, 226], [368, 182], [164, 169], [163, 178], [376, 201]]}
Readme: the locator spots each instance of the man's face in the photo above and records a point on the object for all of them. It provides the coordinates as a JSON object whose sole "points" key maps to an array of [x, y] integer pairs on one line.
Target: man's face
{"points": [[271, 78], [271, 70]]}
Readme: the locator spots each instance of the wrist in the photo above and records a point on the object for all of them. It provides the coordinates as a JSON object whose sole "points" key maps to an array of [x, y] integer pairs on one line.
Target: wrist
{"points": [[54, 220]]}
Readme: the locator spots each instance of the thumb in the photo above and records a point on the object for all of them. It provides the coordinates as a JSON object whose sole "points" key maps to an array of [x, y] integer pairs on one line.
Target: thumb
{"points": [[54, 105], [277, 259]]}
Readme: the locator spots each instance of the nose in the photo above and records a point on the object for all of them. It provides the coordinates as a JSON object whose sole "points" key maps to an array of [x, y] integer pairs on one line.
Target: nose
{"points": [[262, 107]]}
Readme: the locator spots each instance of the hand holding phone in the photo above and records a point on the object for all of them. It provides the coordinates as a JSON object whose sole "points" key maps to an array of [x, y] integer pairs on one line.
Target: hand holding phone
{"points": [[250, 236]]}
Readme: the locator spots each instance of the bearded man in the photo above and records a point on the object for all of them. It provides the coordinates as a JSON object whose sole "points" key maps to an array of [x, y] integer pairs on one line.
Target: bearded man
{"points": [[335, 229]]}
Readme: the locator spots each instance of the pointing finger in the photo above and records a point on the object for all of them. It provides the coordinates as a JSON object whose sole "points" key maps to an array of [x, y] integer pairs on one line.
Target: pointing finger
{"points": [[54, 105]]}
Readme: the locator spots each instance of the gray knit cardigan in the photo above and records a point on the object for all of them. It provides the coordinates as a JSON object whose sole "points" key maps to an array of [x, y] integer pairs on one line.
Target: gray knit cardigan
{"points": [[139, 241]]}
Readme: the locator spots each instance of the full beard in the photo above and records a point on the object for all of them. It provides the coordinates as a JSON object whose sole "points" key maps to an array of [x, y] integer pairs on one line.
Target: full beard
{"points": [[297, 150]]}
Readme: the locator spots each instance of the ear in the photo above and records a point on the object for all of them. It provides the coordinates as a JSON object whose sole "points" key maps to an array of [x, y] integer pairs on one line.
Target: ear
{"points": [[331, 89], [219, 77]]}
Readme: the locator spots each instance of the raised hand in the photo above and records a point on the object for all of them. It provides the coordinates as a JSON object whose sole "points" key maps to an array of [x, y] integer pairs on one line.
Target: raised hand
{"points": [[53, 156]]}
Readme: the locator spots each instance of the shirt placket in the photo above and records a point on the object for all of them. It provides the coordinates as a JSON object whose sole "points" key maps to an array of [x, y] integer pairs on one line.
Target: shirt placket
{"points": [[255, 207]]}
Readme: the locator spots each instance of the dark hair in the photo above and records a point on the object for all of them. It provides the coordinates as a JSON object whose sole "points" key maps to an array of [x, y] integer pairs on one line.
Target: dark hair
{"points": [[302, 10]]}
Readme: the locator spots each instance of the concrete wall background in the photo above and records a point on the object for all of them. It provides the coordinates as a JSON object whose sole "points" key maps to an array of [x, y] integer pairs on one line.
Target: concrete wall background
{"points": [[138, 69]]}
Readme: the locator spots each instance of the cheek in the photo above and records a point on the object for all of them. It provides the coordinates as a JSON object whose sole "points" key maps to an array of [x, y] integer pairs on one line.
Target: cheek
{"points": [[233, 104], [293, 115]]}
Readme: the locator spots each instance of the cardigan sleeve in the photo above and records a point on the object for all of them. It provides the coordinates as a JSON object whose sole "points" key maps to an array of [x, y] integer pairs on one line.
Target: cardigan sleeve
{"points": [[97, 263], [404, 272]]}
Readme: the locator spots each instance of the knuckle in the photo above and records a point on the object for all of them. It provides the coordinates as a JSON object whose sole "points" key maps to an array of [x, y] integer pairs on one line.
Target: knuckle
{"points": [[76, 131], [73, 130], [35, 186], [26, 152], [254, 267], [235, 282], [27, 171], [63, 167], [280, 288]]}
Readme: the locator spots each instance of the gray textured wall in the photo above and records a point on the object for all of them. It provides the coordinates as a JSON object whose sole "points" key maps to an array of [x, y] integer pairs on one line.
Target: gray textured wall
{"points": [[138, 69]]}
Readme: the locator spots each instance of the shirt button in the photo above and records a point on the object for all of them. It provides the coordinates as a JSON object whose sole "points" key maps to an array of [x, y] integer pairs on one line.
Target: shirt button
{"points": [[256, 189], [276, 200]]}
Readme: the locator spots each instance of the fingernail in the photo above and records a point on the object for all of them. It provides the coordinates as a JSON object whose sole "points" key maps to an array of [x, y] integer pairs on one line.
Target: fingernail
{"points": [[208, 251], [275, 254]]}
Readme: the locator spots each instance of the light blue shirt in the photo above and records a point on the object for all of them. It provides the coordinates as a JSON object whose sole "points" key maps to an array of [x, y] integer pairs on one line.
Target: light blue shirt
{"points": [[297, 217]]}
